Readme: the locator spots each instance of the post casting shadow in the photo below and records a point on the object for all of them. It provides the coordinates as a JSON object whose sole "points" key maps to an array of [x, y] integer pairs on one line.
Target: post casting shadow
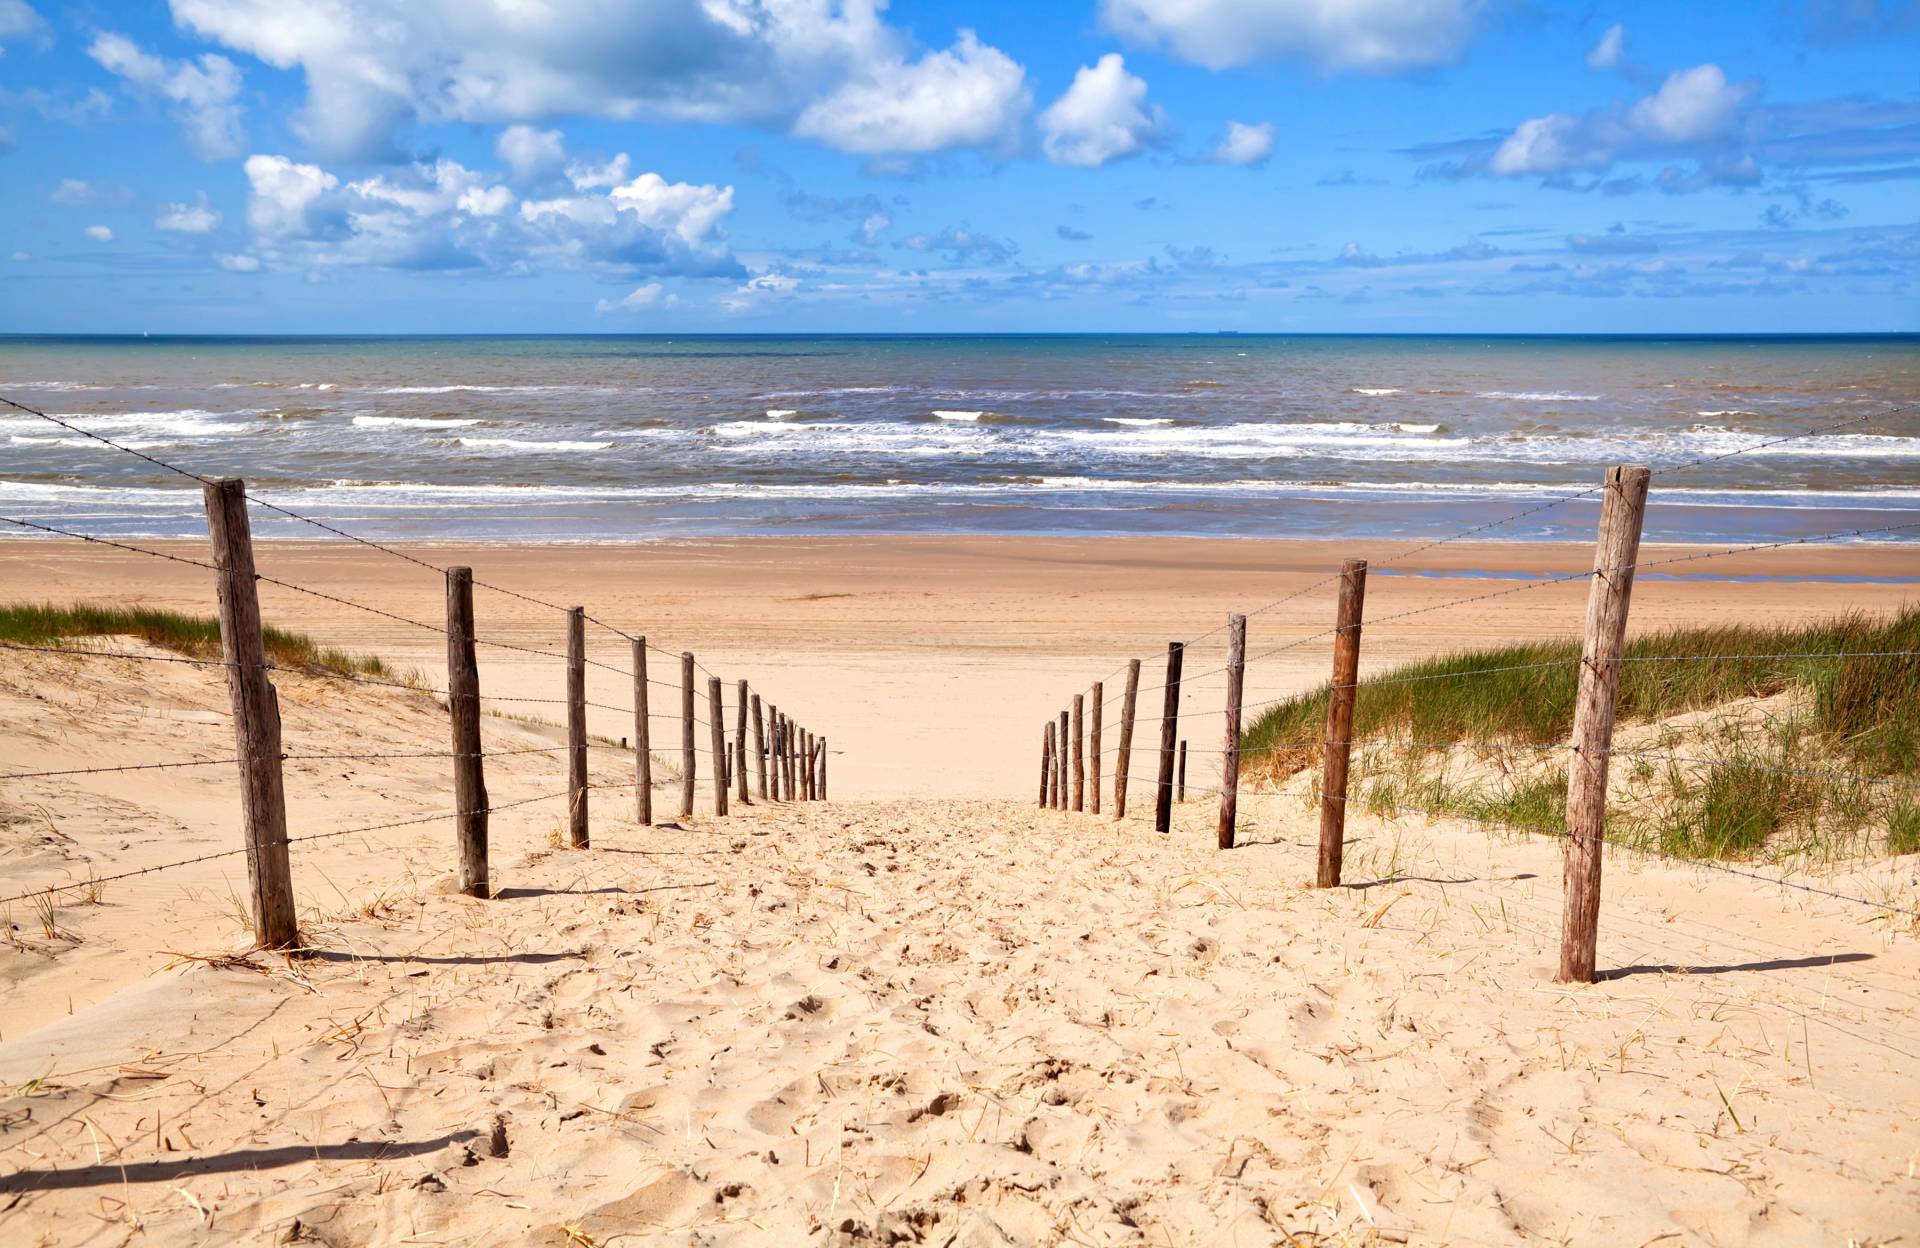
{"points": [[1776, 964], [222, 1163]]}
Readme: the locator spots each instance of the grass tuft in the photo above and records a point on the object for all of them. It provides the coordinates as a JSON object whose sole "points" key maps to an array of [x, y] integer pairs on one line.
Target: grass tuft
{"points": [[196, 636]]}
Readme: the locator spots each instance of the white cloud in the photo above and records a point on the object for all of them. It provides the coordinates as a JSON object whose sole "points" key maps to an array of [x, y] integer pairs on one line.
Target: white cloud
{"points": [[651, 295], [1695, 112], [205, 95], [758, 289], [1611, 51], [100, 233], [237, 263], [283, 192], [530, 152], [17, 20], [1375, 35], [72, 192], [587, 177], [372, 65], [195, 218], [969, 96], [1101, 117], [872, 228], [1245, 144], [442, 215]]}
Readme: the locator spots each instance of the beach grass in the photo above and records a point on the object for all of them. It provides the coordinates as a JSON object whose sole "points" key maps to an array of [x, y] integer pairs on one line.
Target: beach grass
{"points": [[1816, 771], [196, 636]]}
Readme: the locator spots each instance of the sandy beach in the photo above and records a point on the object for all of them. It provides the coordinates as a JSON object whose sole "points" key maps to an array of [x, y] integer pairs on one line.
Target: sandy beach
{"points": [[924, 1011]]}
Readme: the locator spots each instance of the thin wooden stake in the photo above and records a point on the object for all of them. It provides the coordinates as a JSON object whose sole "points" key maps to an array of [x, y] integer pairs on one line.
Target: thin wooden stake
{"points": [[1169, 731], [1623, 508], [1340, 703], [1180, 782], [688, 767], [740, 752], [775, 719], [1064, 762], [1079, 753], [1093, 754], [1230, 747], [1123, 761], [642, 738], [823, 769], [256, 716], [759, 751], [813, 771], [577, 727], [463, 705], [1046, 765], [717, 733]]}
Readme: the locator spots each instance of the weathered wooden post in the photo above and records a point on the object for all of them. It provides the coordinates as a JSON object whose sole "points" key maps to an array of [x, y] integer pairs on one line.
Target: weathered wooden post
{"points": [[774, 720], [463, 704], [1169, 731], [740, 751], [1064, 763], [717, 741], [1340, 703], [256, 716], [823, 769], [1079, 752], [1123, 763], [1180, 781], [1622, 509], [1046, 765], [1093, 753], [1230, 748], [688, 767], [759, 751], [577, 727], [813, 770]]}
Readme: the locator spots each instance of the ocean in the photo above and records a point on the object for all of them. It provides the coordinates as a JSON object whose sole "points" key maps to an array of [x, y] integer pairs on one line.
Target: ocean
{"points": [[623, 439]]}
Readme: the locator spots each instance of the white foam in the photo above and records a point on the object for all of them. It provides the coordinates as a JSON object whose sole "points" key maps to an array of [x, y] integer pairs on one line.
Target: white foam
{"points": [[414, 422], [516, 444], [1138, 421], [952, 415], [1730, 411], [1539, 396], [1377, 392], [1406, 428], [781, 413]]}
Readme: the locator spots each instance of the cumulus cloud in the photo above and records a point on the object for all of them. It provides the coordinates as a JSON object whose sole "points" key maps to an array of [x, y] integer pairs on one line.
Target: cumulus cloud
{"points": [[18, 20], [1696, 112], [196, 218], [651, 295], [1372, 35], [1244, 144], [530, 152], [443, 215], [236, 263], [586, 177], [1103, 116], [100, 233], [1611, 51], [205, 94], [971, 95], [834, 71], [963, 246], [73, 192]]}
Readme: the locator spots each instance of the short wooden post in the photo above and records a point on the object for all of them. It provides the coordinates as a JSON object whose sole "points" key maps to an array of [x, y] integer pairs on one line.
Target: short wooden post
{"points": [[1623, 507], [1340, 703], [1169, 731], [1123, 761], [1180, 780], [823, 769], [1064, 763], [1046, 762], [717, 740], [642, 738], [577, 727], [688, 767], [740, 751], [256, 716], [1230, 745], [1093, 754], [794, 735], [813, 768], [463, 704], [1079, 752], [759, 751], [774, 720]]}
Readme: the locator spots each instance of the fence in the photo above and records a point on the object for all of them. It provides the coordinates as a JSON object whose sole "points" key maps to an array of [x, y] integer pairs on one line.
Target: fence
{"points": [[1067, 782], [790, 762]]}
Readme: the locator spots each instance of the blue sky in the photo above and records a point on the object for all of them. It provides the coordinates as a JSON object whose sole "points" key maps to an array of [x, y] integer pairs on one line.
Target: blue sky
{"points": [[829, 165]]}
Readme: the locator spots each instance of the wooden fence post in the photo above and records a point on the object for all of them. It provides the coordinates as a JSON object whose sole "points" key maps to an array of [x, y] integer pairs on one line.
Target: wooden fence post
{"points": [[1093, 753], [1046, 762], [577, 727], [813, 768], [1230, 747], [1180, 780], [774, 720], [1169, 730], [717, 741], [824, 752], [256, 716], [1340, 703], [642, 737], [1616, 551], [1064, 762], [759, 751], [1079, 752], [740, 751], [688, 766], [463, 704], [1123, 762]]}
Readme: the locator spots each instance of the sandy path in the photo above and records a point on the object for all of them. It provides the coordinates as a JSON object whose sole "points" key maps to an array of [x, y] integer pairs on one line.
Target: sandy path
{"points": [[975, 1023]]}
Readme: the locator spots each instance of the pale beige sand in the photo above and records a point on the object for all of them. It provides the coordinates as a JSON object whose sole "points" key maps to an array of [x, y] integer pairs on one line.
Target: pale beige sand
{"points": [[896, 1018]]}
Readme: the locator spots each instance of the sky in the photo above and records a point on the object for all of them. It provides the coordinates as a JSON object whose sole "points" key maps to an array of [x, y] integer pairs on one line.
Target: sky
{"points": [[659, 166]]}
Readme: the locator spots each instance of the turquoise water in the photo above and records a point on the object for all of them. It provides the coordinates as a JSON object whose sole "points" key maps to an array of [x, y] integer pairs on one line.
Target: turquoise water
{"points": [[638, 438]]}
